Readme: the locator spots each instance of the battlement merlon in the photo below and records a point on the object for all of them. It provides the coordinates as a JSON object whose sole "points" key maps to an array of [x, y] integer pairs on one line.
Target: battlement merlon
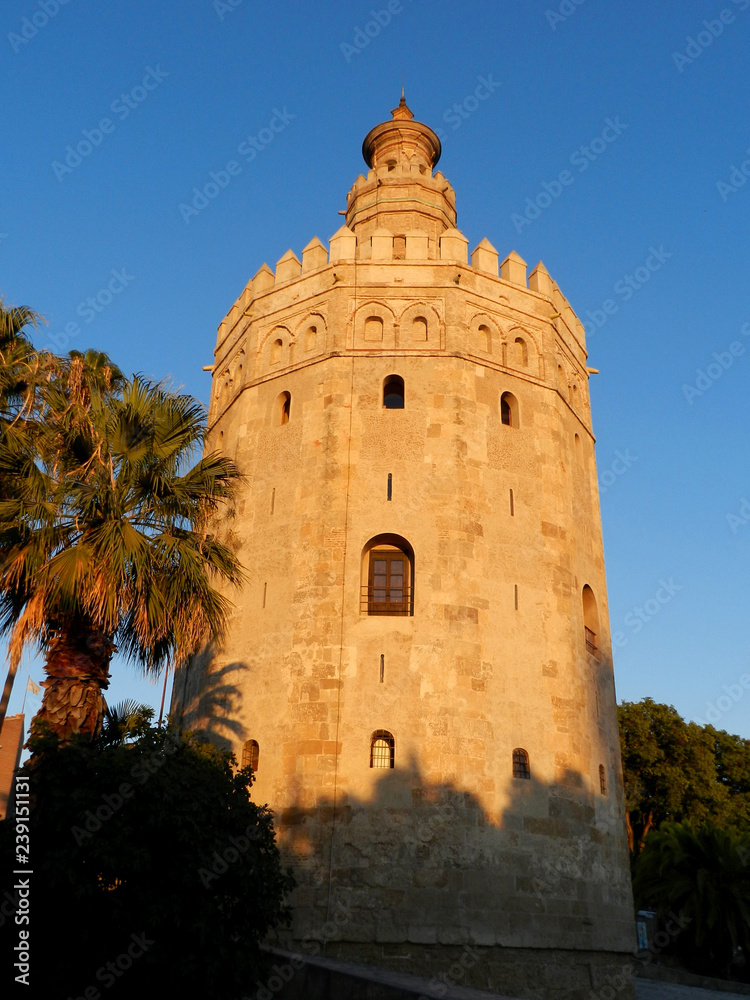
{"points": [[382, 257]]}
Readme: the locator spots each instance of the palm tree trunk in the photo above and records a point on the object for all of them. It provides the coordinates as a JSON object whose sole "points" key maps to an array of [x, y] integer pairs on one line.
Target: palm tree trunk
{"points": [[7, 689], [77, 671]]}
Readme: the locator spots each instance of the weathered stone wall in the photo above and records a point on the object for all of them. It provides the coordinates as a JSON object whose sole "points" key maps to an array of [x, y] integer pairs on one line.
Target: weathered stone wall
{"points": [[448, 847]]}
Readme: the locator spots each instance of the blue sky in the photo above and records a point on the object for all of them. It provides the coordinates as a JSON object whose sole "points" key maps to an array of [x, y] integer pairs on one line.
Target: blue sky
{"points": [[644, 106]]}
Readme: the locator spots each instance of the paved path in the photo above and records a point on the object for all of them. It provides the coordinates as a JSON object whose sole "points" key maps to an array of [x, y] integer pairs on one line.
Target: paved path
{"points": [[650, 989]]}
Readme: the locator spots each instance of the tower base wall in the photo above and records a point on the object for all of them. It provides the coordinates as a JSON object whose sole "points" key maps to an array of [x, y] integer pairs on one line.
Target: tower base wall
{"points": [[523, 973]]}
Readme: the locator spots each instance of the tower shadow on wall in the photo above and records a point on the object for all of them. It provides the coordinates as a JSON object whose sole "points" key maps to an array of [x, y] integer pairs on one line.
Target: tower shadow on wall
{"points": [[207, 703], [442, 870]]}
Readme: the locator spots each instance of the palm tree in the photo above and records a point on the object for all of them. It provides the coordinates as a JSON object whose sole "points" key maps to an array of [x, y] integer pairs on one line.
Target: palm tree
{"points": [[702, 875], [104, 537], [21, 370]]}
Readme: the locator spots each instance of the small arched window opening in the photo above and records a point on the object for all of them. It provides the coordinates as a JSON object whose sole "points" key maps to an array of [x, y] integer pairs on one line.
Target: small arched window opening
{"points": [[521, 768], [579, 449], [484, 338], [310, 337], [574, 395], [419, 329], [399, 247], [387, 577], [382, 749], [393, 392], [373, 328], [590, 619], [276, 348], [251, 754], [522, 352], [283, 408], [602, 780], [509, 409]]}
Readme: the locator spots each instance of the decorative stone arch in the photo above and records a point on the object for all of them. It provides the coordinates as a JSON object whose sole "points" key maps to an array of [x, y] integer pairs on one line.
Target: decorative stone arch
{"points": [[239, 374], [282, 409], [277, 348], [523, 351], [374, 326], [484, 335], [224, 387], [310, 334], [509, 412], [590, 619], [382, 591], [418, 326]]}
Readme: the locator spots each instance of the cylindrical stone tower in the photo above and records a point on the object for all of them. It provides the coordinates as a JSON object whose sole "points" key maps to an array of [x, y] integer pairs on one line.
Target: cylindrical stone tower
{"points": [[419, 665]]}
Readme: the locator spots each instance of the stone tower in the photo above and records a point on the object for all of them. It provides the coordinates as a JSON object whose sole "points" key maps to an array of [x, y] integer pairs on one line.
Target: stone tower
{"points": [[419, 665]]}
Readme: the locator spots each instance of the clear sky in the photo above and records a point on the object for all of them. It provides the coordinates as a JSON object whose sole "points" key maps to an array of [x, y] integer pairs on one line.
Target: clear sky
{"points": [[607, 140]]}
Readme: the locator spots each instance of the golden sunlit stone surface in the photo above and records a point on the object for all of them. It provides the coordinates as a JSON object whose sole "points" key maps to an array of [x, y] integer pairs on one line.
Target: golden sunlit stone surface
{"points": [[499, 529]]}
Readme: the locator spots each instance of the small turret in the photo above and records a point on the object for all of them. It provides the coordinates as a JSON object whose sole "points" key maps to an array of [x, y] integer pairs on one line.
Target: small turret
{"points": [[400, 193]]}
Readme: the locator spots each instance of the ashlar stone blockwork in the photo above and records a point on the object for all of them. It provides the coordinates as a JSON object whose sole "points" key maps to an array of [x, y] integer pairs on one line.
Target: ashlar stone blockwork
{"points": [[420, 526]]}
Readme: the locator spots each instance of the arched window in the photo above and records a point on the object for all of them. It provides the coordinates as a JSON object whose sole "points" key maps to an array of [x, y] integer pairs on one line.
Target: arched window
{"points": [[373, 328], [522, 352], [393, 392], [509, 409], [250, 754], [521, 767], [387, 577], [283, 408], [310, 337], [382, 749], [590, 618], [276, 348], [602, 780], [419, 328]]}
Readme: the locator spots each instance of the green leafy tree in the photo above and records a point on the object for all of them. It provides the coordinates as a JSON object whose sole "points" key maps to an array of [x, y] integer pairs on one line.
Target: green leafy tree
{"points": [[702, 876], [147, 848], [679, 771], [104, 538]]}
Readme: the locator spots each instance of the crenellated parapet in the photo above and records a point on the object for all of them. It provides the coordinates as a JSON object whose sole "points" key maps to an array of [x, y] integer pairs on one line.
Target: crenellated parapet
{"points": [[511, 316]]}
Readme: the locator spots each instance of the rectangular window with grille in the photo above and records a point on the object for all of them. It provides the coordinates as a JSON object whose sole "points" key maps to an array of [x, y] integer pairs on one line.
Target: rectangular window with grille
{"points": [[388, 583]]}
